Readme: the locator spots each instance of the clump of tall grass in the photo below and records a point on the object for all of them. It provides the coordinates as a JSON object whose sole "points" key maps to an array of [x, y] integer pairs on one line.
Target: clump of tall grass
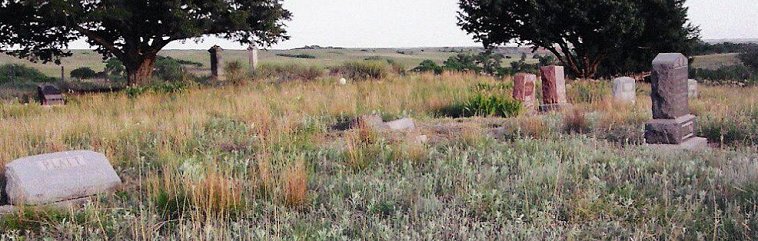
{"points": [[287, 72], [363, 70], [587, 91], [234, 72]]}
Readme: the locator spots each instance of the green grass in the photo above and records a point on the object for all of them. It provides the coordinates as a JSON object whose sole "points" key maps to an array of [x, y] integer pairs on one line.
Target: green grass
{"points": [[264, 161]]}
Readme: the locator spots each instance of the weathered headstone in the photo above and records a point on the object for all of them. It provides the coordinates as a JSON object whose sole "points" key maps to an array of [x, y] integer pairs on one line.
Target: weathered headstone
{"points": [[624, 90], [524, 90], [672, 122], [217, 68], [252, 55], [401, 124], [56, 177], [553, 88], [692, 89], [49, 94]]}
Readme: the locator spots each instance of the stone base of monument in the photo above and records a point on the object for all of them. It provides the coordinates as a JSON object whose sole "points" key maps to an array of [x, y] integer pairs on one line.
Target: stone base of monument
{"points": [[555, 107], [670, 131], [692, 144]]}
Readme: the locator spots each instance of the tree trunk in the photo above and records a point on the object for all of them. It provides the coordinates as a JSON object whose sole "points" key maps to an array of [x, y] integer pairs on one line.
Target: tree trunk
{"points": [[140, 72]]}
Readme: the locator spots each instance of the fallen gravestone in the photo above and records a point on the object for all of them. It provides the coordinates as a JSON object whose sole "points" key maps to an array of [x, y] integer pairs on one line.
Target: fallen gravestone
{"points": [[553, 88], [624, 90], [49, 94], [57, 177], [672, 124], [405, 124], [523, 90], [692, 89]]}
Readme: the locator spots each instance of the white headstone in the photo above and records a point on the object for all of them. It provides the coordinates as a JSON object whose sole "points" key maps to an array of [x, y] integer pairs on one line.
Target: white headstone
{"points": [[692, 88], [624, 90], [61, 176]]}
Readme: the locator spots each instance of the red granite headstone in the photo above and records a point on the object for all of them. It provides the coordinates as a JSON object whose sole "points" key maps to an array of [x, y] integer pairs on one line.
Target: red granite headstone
{"points": [[523, 90], [553, 88]]}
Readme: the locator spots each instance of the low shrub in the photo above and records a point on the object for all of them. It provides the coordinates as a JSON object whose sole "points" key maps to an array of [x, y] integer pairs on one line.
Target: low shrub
{"points": [[83, 73], [21, 73], [288, 72], [428, 66], [363, 70]]}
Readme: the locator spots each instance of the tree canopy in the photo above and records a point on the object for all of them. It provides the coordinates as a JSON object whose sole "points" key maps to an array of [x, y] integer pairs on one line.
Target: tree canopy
{"points": [[134, 31], [582, 34]]}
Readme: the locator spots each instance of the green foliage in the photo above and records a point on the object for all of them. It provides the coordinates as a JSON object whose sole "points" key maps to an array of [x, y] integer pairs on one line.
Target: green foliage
{"points": [[299, 56], [750, 58], [168, 69], [83, 73], [491, 105], [428, 66], [133, 31], [488, 100], [156, 87], [726, 75], [462, 62], [21, 73], [363, 70], [703, 48], [583, 34], [113, 66]]}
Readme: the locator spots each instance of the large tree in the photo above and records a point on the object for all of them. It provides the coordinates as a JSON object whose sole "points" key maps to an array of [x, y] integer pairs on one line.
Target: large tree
{"points": [[582, 34], [134, 31]]}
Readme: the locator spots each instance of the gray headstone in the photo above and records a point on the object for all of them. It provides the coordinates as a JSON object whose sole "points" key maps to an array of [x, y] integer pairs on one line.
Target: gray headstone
{"points": [[669, 84], [624, 90], [692, 88], [217, 68], [672, 122], [56, 177]]}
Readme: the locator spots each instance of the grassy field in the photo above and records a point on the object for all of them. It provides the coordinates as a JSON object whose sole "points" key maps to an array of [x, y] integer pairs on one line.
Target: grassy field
{"points": [[323, 57], [270, 161]]}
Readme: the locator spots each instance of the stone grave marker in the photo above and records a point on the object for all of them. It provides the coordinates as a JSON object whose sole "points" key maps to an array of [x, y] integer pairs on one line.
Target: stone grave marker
{"points": [[692, 89], [57, 177], [624, 90], [49, 94], [672, 122], [524, 90], [252, 55], [217, 68], [553, 88]]}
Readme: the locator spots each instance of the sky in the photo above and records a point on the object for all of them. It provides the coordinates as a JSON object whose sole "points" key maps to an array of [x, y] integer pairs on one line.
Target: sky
{"points": [[432, 23]]}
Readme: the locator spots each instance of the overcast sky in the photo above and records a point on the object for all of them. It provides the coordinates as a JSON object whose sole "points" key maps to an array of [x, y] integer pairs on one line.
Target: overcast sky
{"points": [[432, 23]]}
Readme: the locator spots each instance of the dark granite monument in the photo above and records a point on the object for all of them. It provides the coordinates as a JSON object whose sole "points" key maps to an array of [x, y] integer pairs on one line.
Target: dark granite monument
{"points": [[217, 68], [49, 94], [672, 122]]}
